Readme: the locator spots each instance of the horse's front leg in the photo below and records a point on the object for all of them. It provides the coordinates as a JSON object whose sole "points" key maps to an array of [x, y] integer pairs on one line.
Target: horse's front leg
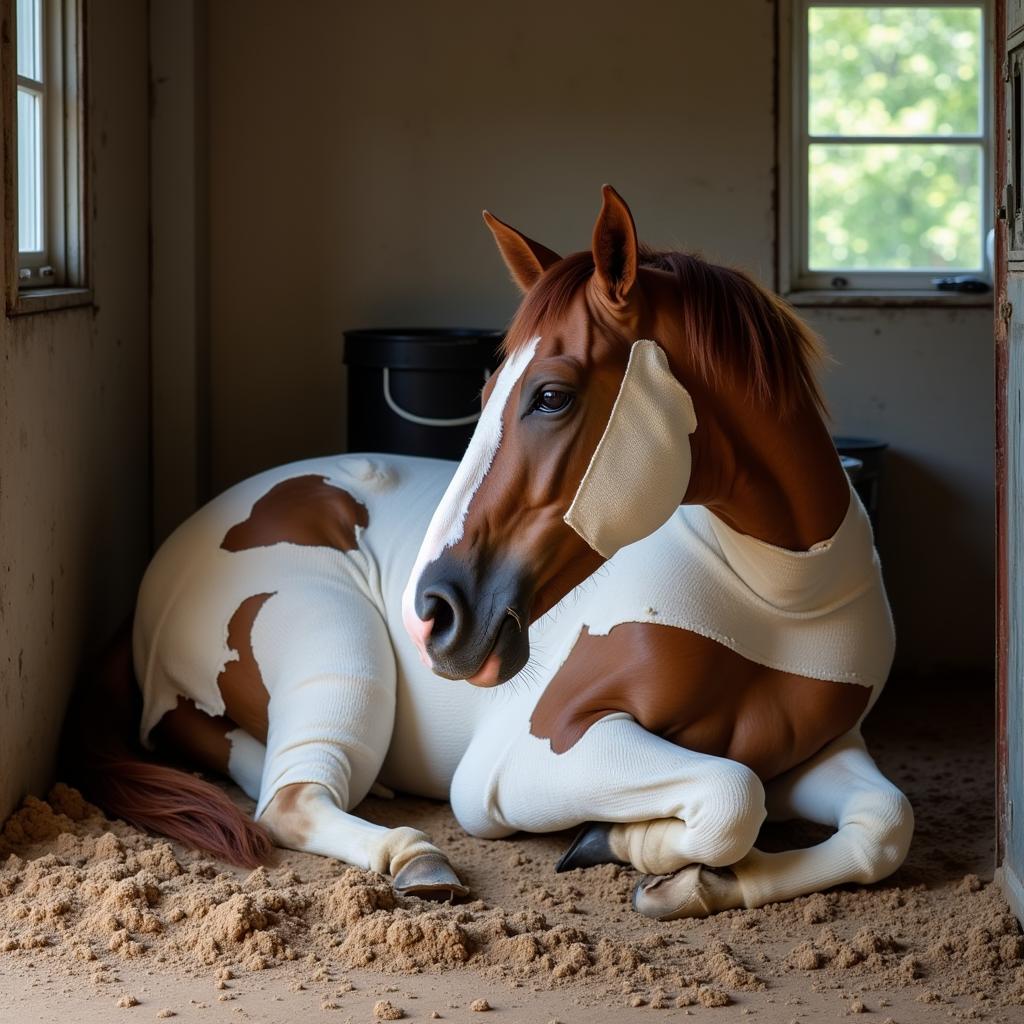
{"points": [[305, 816], [840, 787], [329, 668], [674, 806]]}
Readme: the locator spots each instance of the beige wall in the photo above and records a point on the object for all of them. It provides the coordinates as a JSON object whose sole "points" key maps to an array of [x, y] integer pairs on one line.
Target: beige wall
{"points": [[924, 380], [353, 146], [74, 484], [354, 198]]}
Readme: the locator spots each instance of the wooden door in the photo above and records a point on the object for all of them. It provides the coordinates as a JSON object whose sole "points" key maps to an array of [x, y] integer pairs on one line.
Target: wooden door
{"points": [[1010, 446]]}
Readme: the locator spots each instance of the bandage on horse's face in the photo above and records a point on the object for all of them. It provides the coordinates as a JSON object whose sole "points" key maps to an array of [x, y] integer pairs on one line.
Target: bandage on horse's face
{"points": [[584, 441]]}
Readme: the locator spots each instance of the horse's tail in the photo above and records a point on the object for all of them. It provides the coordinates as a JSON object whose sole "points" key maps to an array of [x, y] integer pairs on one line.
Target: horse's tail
{"points": [[102, 755]]}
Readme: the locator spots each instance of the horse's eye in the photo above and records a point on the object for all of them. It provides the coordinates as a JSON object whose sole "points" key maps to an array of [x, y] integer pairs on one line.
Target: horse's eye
{"points": [[552, 400]]}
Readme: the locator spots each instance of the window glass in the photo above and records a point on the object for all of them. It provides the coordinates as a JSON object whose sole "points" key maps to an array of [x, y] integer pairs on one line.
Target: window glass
{"points": [[30, 39], [30, 172], [895, 207], [894, 140], [894, 70]]}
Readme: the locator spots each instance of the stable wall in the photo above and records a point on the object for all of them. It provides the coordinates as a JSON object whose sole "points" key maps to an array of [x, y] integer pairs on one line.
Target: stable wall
{"points": [[924, 380], [353, 146], [74, 430]]}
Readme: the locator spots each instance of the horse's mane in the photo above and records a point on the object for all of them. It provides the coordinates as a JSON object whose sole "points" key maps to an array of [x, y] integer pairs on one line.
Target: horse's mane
{"points": [[731, 323]]}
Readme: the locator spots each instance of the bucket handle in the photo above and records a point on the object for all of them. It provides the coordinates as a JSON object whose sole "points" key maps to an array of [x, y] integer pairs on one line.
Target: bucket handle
{"points": [[426, 421]]}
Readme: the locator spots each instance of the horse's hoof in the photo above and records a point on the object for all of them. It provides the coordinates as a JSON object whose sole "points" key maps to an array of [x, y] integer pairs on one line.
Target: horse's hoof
{"points": [[590, 848], [693, 891], [430, 877]]}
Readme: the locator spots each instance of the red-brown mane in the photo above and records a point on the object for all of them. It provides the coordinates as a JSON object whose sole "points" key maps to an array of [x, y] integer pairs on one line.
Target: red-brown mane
{"points": [[731, 324]]}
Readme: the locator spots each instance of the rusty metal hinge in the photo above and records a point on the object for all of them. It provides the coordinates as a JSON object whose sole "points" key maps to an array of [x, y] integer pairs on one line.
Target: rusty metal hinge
{"points": [[1005, 311]]}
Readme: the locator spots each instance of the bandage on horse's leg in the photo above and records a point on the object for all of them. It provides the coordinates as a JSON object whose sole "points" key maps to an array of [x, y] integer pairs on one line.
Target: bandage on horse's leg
{"points": [[306, 817], [330, 718], [652, 846], [840, 787], [687, 807]]}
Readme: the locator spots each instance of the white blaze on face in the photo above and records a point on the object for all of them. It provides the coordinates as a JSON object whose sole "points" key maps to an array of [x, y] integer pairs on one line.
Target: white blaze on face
{"points": [[447, 525], [640, 470]]}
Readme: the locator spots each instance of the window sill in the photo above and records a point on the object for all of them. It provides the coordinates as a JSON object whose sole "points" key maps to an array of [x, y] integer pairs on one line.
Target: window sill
{"points": [[46, 300], [911, 299]]}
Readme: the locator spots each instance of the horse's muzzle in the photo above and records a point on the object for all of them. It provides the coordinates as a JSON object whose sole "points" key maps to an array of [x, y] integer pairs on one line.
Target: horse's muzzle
{"points": [[480, 631]]}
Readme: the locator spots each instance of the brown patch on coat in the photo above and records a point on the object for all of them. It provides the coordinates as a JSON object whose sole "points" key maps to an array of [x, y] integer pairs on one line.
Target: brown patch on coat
{"points": [[240, 682], [289, 822], [696, 693], [305, 510], [202, 738]]}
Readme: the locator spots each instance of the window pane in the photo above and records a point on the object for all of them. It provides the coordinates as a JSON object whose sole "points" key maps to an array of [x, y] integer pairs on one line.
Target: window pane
{"points": [[894, 70], [30, 39], [30, 172], [895, 207]]}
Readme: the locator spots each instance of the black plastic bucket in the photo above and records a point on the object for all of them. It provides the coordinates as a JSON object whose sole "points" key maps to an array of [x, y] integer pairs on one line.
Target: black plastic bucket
{"points": [[416, 391], [870, 452]]}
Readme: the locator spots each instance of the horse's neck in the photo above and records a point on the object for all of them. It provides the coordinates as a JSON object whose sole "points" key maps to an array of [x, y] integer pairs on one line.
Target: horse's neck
{"points": [[777, 480]]}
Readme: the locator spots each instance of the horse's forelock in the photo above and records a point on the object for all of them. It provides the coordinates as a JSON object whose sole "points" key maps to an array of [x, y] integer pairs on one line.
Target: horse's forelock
{"points": [[548, 300], [731, 325]]}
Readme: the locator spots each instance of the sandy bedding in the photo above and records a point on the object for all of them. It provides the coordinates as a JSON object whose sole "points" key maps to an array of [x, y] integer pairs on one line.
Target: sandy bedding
{"points": [[99, 920]]}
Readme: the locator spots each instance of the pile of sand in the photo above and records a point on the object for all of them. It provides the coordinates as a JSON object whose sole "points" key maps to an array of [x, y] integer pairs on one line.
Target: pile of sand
{"points": [[80, 895], [87, 893], [73, 882]]}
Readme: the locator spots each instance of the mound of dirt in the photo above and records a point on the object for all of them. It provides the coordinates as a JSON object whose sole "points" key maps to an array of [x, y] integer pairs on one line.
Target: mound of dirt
{"points": [[80, 895], [75, 882]]}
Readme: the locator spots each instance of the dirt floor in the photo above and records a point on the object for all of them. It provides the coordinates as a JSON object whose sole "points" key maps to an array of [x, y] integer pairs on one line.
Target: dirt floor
{"points": [[99, 922]]}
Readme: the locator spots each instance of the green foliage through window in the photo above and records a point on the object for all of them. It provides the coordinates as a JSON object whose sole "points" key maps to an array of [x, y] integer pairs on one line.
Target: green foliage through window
{"points": [[914, 73]]}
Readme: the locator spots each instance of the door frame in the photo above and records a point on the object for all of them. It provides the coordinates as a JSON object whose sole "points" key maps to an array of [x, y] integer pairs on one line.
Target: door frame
{"points": [[1009, 879]]}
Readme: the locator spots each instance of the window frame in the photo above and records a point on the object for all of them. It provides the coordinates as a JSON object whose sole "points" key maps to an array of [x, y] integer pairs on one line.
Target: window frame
{"points": [[64, 164], [797, 281]]}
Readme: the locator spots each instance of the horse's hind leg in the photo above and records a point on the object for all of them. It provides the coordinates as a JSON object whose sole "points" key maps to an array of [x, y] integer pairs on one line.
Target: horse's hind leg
{"points": [[214, 742], [327, 662], [839, 787]]}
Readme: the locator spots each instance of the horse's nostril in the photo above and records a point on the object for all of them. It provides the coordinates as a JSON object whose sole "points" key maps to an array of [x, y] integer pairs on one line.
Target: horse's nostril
{"points": [[443, 616], [443, 607]]}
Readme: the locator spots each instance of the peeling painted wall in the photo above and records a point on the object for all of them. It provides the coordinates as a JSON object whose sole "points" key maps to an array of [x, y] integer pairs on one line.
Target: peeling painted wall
{"points": [[357, 203], [74, 432]]}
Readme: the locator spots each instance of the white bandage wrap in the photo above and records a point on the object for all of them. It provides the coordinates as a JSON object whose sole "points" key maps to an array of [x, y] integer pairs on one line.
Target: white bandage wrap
{"points": [[640, 470]]}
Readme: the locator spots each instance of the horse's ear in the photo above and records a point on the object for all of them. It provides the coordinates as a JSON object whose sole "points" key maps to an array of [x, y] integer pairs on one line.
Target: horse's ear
{"points": [[615, 247], [525, 258]]}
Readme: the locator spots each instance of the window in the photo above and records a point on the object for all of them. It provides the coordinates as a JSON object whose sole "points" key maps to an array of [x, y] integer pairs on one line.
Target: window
{"points": [[890, 161], [48, 180]]}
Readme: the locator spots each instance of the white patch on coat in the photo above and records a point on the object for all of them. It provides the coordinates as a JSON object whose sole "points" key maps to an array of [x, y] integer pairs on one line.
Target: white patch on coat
{"points": [[448, 522]]}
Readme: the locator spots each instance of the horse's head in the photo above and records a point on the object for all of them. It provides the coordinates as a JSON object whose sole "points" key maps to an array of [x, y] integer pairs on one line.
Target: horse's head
{"points": [[582, 447]]}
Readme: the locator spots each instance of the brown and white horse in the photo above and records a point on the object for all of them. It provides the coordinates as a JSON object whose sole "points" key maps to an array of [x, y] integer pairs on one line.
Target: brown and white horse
{"points": [[716, 669], [599, 440]]}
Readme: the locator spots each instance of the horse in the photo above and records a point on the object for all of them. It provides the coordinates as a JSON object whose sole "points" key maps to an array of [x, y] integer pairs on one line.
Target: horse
{"points": [[642, 388], [269, 639]]}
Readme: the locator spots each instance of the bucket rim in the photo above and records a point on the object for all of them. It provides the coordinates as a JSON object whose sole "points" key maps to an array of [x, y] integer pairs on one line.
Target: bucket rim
{"points": [[423, 348]]}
